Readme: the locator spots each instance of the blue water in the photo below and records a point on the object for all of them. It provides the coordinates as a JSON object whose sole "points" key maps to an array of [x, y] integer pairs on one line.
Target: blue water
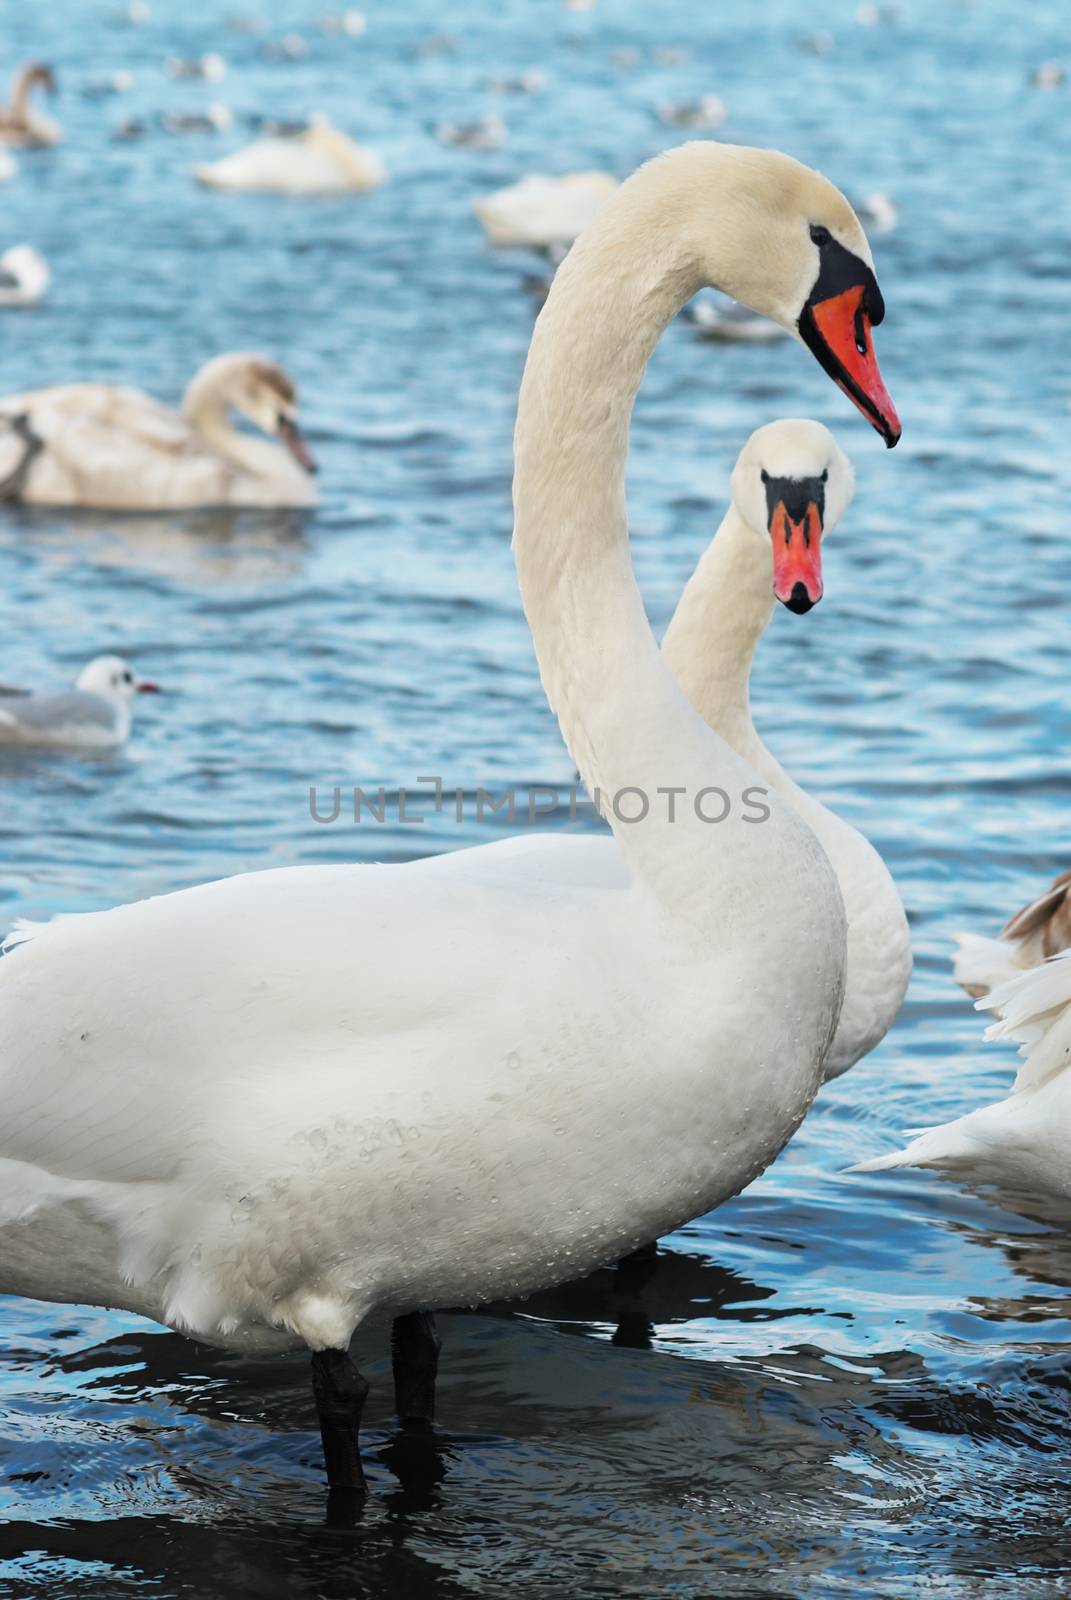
{"points": [[852, 1385]]}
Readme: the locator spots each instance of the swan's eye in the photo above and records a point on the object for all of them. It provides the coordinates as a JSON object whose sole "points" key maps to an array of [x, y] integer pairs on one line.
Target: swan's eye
{"points": [[820, 235], [764, 475], [825, 474]]}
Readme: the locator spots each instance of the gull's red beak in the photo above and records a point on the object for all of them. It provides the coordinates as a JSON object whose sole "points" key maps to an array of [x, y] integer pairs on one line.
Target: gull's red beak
{"points": [[796, 507], [843, 307], [145, 687]]}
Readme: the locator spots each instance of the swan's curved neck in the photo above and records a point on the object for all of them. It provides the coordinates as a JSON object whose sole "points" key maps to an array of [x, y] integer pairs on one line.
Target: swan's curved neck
{"points": [[720, 618], [623, 716], [23, 110], [206, 409]]}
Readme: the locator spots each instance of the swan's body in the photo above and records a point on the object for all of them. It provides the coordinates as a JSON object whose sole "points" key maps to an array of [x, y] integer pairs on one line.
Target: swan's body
{"points": [[94, 716], [1022, 1143], [541, 213], [21, 122], [94, 444], [260, 1108], [1041, 929], [24, 276], [320, 160]]}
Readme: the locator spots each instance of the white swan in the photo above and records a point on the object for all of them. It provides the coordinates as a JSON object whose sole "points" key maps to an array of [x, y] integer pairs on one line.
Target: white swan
{"points": [[790, 485], [21, 123], [93, 444], [8, 166], [726, 322], [1041, 929], [320, 160], [260, 1108], [540, 212], [1022, 1143], [24, 276], [94, 716]]}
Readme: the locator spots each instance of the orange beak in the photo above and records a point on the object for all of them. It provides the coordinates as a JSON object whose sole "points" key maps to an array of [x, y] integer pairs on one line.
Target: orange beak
{"points": [[843, 327], [796, 536]]}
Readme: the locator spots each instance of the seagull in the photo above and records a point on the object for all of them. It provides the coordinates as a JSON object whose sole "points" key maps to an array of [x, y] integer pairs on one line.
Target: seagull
{"points": [[24, 276], [93, 716], [487, 134]]}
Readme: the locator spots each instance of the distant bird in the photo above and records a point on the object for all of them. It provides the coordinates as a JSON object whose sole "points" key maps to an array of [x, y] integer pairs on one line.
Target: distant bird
{"points": [[24, 276], [211, 67], [542, 212], [352, 23], [531, 82], [120, 82], [8, 166], [136, 13], [319, 160], [95, 715], [709, 112], [877, 213], [21, 123], [489, 133], [1050, 75], [95, 444], [215, 118], [291, 47], [727, 322]]}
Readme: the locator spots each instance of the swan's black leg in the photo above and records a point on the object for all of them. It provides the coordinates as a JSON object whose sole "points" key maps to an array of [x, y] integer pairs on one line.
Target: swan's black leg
{"points": [[415, 1346], [11, 486], [340, 1392]]}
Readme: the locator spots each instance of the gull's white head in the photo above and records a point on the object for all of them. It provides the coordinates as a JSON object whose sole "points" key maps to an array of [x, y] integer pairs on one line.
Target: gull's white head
{"points": [[792, 482], [113, 679]]}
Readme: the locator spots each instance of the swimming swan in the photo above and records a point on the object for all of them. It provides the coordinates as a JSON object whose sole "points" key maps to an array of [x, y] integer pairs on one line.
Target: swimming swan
{"points": [[20, 122], [318, 160], [94, 444], [258, 1109]]}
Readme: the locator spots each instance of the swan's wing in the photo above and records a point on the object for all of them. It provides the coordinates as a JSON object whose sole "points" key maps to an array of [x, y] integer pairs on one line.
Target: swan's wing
{"points": [[128, 1037], [110, 446], [1034, 1009], [574, 861]]}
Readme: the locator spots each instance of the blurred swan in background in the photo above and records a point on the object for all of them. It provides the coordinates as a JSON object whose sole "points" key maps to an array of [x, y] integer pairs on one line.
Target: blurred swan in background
{"points": [[8, 166], [24, 276], [319, 160], [728, 322], [1041, 929], [96, 444], [542, 212], [877, 212], [95, 715], [21, 123]]}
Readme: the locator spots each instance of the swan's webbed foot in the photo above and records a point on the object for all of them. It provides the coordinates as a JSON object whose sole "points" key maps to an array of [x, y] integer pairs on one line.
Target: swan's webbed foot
{"points": [[340, 1392], [415, 1346]]}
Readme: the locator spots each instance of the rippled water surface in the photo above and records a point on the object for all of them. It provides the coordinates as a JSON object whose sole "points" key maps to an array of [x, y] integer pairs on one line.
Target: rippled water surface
{"points": [[835, 1385]]}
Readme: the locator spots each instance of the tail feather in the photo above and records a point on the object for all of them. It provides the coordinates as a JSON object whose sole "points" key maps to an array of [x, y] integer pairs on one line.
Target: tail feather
{"points": [[946, 1147], [1034, 1010]]}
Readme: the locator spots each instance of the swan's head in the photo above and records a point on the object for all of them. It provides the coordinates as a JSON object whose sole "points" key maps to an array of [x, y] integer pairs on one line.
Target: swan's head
{"points": [[781, 239], [37, 74], [792, 482], [262, 392], [113, 679]]}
